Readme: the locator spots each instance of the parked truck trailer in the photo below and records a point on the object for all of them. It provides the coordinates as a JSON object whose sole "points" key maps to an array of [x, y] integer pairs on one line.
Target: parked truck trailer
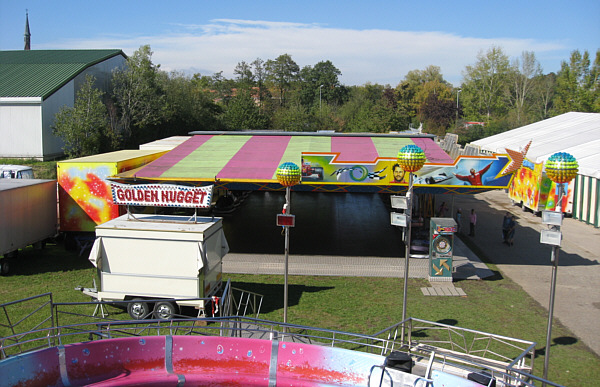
{"points": [[29, 216], [173, 259]]}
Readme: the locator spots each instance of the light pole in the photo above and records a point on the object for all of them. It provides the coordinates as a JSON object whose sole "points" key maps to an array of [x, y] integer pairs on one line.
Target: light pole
{"points": [[457, 98], [288, 174], [560, 168], [411, 158], [320, 103]]}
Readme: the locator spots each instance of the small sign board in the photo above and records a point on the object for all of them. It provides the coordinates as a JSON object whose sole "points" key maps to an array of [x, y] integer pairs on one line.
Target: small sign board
{"points": [[161, 195], [286, 220]]}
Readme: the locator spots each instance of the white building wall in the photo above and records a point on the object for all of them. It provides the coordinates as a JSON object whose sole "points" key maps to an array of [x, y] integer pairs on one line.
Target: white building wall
{"points": [[20, 127]]}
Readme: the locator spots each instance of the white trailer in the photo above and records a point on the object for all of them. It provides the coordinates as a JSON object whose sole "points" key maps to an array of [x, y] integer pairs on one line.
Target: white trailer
{"points": [[28, 215], [158, 257]]}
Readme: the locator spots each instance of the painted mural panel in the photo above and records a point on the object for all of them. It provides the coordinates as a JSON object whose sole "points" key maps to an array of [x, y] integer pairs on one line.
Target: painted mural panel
{"points": [[85, 197], [486, 172], [536, 191]]}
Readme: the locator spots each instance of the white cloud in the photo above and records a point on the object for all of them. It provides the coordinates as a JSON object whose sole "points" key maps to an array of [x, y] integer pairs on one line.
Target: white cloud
{"points": [[376, 56]]}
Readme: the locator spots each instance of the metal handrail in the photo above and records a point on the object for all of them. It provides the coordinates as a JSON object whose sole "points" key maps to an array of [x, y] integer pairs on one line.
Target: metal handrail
{"points": [[510, 371]]}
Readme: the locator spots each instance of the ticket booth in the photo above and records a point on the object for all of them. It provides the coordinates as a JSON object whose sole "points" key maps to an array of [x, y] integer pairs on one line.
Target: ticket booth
{"points": [[441, 250]]}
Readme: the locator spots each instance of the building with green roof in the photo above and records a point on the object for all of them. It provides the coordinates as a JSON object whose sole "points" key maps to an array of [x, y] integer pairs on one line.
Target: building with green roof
{"points": [[35, 84]]}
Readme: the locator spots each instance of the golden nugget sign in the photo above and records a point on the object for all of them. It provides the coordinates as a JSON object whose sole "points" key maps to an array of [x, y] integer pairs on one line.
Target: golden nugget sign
{"points": [[161, 195]]}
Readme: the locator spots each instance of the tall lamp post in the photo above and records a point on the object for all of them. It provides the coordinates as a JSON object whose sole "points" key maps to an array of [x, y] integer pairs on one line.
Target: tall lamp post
{"points": [[457, 97], [411, 158], [320, 103], [560, 168], [288, 174]]}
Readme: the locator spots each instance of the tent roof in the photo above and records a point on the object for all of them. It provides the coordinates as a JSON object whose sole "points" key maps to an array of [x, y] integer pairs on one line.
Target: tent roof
{"points": [[239, 159], [575, 133]]}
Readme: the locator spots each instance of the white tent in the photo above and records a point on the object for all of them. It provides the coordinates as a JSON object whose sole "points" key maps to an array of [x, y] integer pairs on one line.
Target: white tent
{"points": [[575, 133]]}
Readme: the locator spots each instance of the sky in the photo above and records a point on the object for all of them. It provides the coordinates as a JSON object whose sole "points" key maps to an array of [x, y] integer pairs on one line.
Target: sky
{"points": [[368, 41]]}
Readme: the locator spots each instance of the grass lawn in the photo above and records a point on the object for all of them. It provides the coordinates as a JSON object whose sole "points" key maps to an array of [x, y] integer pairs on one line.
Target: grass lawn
{"points": [[354, 304]]}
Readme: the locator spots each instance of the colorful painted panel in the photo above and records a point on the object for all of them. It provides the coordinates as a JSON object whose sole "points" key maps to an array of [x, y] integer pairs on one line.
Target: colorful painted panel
{"points": [[85, 198], [485, 172], [536, 191], [527, 187], [565, 190]]}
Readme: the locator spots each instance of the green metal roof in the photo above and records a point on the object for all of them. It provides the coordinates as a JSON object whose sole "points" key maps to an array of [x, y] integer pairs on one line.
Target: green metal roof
{"points": [[39, 73]]}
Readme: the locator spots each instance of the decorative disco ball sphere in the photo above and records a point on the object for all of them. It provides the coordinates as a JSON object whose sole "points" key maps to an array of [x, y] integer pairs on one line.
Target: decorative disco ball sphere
{"points": [[288, 174], [411, 158], [561, 167]]}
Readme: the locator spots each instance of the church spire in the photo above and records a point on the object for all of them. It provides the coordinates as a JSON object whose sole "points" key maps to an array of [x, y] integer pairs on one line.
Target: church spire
{"points": [[27, 33]]}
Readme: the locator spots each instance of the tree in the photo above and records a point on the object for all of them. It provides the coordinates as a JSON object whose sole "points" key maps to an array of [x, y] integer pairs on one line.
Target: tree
{"points": [[281, 73], [83, 126], [416, 87], [484, 85], [190, 106], [242, 112], [293, 118], [525, 71], [139, 100], [321, 84], [243, 71], [372, 108], [577, 84], [544, 93], [438, 113]]}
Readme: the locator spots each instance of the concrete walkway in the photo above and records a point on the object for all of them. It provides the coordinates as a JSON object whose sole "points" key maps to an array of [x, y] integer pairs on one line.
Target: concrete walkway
{"points": [[466, 263]]}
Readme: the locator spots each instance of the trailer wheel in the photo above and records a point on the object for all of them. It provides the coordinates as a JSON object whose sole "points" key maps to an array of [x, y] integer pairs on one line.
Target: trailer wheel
{"points": [[138, 309], [165, 310], [4, 267]]}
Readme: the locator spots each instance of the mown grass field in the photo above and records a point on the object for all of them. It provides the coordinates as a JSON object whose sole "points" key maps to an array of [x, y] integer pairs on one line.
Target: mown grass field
{"points": [[353, 304]]}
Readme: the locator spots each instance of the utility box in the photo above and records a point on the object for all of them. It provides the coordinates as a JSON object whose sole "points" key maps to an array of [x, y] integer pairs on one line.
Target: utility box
{"points": [[441, 250], [158, 257]]}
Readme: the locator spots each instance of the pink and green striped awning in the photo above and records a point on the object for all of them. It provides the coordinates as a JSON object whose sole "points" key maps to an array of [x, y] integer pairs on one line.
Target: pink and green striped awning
{"points": [[248, 157], [253, 158]]}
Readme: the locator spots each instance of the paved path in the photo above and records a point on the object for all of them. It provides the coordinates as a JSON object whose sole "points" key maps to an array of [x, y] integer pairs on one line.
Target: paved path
{"points": [[467, 264], [577, 298]]}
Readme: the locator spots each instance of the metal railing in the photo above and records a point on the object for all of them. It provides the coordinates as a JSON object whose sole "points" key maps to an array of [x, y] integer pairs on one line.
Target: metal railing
{"points": [[447, 348], [21, 319], [509, 360]]}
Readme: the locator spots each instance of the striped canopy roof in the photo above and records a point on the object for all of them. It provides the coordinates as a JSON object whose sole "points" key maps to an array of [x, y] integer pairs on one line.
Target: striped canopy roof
{"points": [[234, 158]]}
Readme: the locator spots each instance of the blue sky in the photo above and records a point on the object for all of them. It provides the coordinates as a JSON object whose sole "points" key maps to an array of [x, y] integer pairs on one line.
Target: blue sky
{"points": [[368, 41]]}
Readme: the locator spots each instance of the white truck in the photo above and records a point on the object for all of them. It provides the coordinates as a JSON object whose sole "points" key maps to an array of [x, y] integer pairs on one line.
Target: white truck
{"points": [[174, 259], [28, 216], [8, 171]]}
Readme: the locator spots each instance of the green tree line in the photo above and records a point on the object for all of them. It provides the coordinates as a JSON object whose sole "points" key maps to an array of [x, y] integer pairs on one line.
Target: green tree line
{"points": [[146, 103]]}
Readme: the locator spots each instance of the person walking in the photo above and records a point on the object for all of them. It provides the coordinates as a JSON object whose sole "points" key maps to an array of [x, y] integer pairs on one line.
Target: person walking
{"points": [[510, 233], [505, 227], [442, 210], [458, 220], [472, 222]]}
